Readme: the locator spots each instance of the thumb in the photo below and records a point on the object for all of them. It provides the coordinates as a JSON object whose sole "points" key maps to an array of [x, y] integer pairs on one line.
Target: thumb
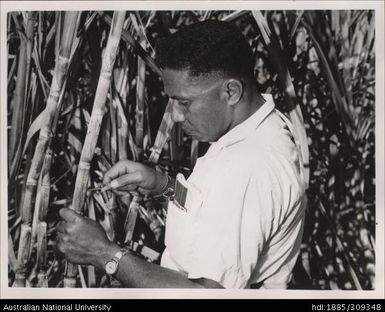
{"points": [[122, 167], [134, 178], [68, 215]]}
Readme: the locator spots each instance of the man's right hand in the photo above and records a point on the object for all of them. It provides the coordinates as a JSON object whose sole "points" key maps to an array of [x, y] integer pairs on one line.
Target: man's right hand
{"points": [[137, 178]]}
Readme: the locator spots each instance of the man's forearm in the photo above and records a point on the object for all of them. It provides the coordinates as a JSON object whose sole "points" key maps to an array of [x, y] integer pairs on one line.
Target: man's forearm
{"points": [[83, 241], [138, 273]]}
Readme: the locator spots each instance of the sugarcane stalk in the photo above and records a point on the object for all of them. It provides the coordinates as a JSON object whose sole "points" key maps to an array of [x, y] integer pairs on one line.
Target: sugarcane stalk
{"points": [[153, 220], [97, 114], [111, 138], [41, 192], [126, 36], [140, 91], [11, 253], [39, 225], [121, 77], [140, 96], [109, 141], [132, 215], [42, 280], [30, 32], [123, 138], [233, 16], [111, 218], [163, 134], [120, 103], [176, 143], [23, 255], [91, 278], [45, 187], [161, 139], [11, 72], [194, 152], [45, 135], [122, 127], [82, 279], [23, 72]]}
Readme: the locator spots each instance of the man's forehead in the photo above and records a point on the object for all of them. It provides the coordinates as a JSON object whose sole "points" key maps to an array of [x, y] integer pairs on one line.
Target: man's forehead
{"points": [[175, 79], [172, 76]]}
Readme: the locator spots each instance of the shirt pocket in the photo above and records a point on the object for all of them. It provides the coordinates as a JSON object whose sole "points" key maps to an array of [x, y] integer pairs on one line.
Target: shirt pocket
{"points": [[179, 224]]}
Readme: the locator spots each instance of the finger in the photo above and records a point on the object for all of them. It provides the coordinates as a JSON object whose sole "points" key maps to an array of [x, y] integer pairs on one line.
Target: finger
{"points": [[61, 228], [106, 195], [120, 168], [135, 193], [143, 191], [129, 181], [126, 187], [59, 245], [68, 215], [121, 193]]}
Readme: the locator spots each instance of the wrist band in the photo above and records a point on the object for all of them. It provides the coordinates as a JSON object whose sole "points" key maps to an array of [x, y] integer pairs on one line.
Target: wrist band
{"points": [[111, 267], [169, 190]]}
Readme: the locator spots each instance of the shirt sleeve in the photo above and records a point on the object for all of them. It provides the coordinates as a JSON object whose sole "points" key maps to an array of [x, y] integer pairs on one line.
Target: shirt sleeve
{"points": [[232, 227]]}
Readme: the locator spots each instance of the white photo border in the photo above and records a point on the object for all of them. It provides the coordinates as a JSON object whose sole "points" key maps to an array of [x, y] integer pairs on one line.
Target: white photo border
{"points": [[124, 293]]}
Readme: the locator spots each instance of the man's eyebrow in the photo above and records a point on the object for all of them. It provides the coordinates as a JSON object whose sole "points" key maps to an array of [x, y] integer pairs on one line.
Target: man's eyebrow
{"points": [[176, 97]]}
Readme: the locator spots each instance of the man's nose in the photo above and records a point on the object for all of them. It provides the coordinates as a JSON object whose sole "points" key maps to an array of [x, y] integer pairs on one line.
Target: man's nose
{"points": [[177, 113]]}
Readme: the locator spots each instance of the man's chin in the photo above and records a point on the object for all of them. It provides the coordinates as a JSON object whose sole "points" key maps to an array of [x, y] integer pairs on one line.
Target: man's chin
{"points": [[196, 136], [191, 134], [199, 138]]}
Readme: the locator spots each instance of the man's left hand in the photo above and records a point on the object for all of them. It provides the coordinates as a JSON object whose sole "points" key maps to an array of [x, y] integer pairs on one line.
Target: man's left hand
{"points": [[82, 240]]}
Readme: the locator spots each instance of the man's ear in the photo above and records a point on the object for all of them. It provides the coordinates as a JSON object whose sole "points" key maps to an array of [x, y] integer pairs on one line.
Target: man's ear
{"points": [[233, 91]]}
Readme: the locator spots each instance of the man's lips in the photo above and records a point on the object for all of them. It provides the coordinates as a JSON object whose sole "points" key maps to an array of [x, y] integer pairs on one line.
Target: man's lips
{"points": [[187, 131]]}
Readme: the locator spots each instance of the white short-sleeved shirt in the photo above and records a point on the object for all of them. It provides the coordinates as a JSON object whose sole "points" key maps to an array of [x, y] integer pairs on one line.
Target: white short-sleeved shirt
{"points": [[243, 219]]}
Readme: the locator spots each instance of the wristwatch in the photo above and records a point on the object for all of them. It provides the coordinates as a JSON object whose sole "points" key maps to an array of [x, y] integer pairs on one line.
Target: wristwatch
{"points": [[111, 267], [169, 189]]}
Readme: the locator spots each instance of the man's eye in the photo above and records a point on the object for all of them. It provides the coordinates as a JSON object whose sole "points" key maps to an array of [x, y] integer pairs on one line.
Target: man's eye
{"points": [[184, 103]]}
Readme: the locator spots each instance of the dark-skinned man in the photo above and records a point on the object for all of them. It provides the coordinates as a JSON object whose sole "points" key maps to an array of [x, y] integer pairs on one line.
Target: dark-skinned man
{"points": [[237, 221]]}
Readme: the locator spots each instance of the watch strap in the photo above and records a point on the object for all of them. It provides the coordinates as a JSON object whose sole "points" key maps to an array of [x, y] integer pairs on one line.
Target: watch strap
{"points": [[117, 257], [169, 189]]}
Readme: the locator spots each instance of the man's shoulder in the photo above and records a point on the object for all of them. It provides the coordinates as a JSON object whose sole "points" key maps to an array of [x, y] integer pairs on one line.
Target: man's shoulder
{"points": [[274, 161]]}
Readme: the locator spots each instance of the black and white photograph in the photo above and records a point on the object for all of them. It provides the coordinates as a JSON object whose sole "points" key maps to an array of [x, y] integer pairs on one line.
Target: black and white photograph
{"points": [[192, 149]]}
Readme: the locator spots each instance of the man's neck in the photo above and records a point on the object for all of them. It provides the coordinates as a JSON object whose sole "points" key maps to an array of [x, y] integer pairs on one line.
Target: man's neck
{"points": [[251, 102]]}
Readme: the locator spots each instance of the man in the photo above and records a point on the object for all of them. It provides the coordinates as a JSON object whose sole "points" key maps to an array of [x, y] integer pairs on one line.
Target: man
{"points": [[238, 219]]}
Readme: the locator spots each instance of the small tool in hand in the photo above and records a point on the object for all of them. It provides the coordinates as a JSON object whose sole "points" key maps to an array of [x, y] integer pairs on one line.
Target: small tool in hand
{"points": [[93, 189], [102, 189], [114, 184]]}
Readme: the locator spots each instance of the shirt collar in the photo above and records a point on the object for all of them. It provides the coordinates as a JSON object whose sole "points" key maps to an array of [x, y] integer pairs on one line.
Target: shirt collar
{"points": [[245, 128]]}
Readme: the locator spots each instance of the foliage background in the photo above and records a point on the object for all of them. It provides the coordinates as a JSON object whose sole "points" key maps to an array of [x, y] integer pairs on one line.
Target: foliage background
{"points": [[319, 61]]}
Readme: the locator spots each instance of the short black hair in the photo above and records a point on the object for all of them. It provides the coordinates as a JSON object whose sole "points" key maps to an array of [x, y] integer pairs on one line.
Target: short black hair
{"points": [[207, 48]]}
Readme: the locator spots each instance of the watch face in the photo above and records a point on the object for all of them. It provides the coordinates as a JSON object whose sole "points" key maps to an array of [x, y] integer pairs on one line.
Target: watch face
{"points": [[111, 267]]}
